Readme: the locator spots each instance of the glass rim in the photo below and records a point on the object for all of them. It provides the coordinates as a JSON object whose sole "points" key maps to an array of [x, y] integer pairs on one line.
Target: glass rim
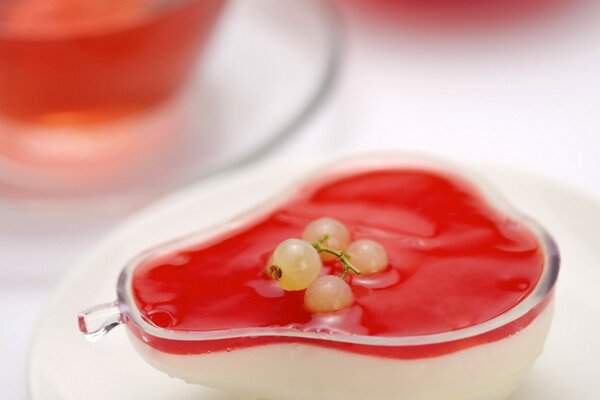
{"points": [[544, 286]]}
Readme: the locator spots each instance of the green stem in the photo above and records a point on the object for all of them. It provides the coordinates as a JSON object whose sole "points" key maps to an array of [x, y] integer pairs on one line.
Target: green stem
{"points": [[343, 257]]}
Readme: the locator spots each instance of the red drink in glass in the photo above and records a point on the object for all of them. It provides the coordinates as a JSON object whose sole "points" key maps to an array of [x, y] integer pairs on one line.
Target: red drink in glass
{"points": [[73, 69]]}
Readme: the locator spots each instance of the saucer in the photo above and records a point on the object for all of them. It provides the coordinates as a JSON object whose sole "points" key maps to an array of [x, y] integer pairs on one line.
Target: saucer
{"points": [[269, 66]]}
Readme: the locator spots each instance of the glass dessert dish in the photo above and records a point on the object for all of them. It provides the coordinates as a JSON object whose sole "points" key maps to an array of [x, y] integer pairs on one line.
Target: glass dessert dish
{"points": [[461, 311]]}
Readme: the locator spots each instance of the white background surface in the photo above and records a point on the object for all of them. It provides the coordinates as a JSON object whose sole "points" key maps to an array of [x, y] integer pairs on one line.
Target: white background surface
{"points": [[530, 100]]}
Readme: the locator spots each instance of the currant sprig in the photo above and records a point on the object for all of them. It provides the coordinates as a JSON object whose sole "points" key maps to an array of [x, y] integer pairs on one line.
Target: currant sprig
{"points": [[296, 264], [342, 256]]}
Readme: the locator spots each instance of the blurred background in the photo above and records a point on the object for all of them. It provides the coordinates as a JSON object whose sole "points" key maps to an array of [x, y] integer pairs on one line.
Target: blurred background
{"points": [[106, 106]]}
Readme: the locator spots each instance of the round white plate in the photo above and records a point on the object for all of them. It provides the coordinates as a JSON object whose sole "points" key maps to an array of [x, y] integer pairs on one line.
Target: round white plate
{"points": [[63, 365]]}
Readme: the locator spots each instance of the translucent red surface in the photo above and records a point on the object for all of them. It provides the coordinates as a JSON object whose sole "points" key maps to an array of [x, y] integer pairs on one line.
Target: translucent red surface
{"points": [[455, 262], [71, 61]]}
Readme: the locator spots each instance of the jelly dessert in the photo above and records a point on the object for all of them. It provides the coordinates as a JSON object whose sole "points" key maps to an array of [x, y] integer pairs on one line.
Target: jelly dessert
{"points": [[379, 279]]}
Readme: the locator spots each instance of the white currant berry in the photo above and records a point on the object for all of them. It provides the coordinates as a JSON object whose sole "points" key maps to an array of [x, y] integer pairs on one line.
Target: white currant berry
{"points": [[328, 293], [338, 237], [368, 255], [295, 264]]}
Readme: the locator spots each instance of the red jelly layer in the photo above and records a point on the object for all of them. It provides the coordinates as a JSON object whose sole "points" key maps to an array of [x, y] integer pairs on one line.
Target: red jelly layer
{"points": [[455, 262]]}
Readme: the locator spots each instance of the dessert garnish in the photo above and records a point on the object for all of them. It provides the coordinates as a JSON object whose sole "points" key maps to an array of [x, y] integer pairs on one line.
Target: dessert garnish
{"points": [[296, 264]]}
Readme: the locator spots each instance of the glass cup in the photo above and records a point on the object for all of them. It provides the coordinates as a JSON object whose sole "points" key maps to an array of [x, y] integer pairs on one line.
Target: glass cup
{"points": [[89, 88]]}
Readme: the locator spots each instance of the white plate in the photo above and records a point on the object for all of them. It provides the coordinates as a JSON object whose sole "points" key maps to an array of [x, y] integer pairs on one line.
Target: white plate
{"points": [[65, 366]]}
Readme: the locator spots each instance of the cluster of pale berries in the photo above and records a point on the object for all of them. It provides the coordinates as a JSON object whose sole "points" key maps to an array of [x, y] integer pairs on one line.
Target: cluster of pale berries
{"points": [[296, 264]]}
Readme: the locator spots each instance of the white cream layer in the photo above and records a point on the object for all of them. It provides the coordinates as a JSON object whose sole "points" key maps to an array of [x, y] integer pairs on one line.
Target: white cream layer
{"points": [[303, 372]]}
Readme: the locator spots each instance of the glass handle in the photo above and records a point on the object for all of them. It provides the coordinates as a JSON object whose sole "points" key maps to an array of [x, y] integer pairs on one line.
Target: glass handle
{"points": [[97, 321]]}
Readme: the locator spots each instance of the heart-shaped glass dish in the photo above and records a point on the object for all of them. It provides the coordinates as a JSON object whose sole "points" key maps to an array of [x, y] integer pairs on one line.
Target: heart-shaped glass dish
{"points": [[480, 353]]}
